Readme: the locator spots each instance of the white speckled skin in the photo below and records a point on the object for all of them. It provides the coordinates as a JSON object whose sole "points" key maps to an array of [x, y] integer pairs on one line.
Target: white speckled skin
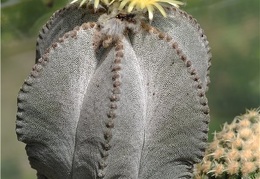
{"points": [[135, 110]]}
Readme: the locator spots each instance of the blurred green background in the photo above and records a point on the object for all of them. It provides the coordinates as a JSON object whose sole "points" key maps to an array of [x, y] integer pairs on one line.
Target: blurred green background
{"points": [[232, 28]]}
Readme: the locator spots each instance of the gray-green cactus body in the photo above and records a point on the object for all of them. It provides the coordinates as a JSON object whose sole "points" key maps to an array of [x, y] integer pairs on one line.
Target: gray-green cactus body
{"points": [[136, 109]]}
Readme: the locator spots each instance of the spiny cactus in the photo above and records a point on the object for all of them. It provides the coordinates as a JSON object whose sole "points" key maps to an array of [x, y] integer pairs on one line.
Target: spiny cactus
{"points": [[235, 151], [116, 95]]}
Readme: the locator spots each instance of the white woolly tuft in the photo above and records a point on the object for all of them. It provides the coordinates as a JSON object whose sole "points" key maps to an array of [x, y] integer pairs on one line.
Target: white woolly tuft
{"points": [[115, 27]]}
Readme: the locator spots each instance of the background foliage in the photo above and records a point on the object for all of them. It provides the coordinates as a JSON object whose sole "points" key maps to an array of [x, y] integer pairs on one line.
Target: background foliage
{"points": [[232, 27]]}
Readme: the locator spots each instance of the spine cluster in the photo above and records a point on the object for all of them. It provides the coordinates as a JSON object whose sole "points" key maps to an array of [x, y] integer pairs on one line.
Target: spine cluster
{"points": [[235, 151]]}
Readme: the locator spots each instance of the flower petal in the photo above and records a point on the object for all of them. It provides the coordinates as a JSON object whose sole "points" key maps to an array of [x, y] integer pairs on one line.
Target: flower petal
{"points": [[122, 4], [96, 3], [160, 8], [131, 6], [150, 12]]}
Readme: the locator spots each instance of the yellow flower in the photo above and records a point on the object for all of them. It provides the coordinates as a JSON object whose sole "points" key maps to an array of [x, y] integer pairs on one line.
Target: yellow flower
{"points": [[138, 5], [96, 2], [149, 5]]}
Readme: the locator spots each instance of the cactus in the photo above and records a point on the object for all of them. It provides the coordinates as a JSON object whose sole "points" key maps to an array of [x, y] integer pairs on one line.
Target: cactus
{"points": [[116, 94], [235, 151]]}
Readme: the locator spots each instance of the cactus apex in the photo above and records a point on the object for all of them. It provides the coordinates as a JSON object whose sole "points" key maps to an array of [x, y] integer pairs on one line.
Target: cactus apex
{"points": [[128, 6]]}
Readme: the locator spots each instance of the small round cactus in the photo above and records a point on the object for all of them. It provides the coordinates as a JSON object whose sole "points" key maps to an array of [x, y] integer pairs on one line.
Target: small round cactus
{"points": [[235, 151]]}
